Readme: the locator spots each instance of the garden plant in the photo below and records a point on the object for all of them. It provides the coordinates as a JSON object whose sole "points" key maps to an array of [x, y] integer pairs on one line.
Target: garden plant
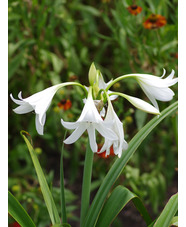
{"points": [[91, 76]]}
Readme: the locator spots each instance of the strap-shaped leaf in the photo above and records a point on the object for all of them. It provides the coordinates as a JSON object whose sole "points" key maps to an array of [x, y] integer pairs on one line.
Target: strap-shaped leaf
{"points": [[52, 210], [168, 212], [120, 163], [116, 202], [16, 210]]}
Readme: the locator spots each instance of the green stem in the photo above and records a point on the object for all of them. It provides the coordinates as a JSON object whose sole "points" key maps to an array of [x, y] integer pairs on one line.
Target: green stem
{"points": [[87, 174], [63, 205], [74, 83], [118, 79]]}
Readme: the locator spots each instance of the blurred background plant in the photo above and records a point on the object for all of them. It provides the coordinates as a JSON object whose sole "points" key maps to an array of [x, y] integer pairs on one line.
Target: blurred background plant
{"points": [[56, 41]]}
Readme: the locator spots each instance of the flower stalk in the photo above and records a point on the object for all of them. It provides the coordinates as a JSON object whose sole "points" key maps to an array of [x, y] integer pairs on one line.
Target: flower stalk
{"points": [[87, 175]]}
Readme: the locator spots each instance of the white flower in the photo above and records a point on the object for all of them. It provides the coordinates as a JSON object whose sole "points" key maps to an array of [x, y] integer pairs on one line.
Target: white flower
{"points": [[89, 120], [157, 87], [39, 103], [119, 144]]}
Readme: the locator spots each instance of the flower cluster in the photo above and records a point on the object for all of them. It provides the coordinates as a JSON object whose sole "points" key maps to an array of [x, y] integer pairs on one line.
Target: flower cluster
{"points": [[98, 113], [152, 22]]}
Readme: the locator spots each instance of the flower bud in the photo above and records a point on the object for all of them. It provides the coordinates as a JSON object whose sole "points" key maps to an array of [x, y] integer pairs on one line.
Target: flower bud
{"points": [[92, 74]]}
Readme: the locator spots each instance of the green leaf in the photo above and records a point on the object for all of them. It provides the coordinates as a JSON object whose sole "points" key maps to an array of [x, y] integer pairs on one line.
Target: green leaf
{"points": [[52, 210], [16, 210], [174, 221], [168, 212], [120, 163], [115, 203]]}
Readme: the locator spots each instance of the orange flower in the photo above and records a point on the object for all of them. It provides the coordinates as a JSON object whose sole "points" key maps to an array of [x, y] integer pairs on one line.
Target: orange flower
{"points": [[155, 21], [64, 104], [103, 154], [134, 9]]}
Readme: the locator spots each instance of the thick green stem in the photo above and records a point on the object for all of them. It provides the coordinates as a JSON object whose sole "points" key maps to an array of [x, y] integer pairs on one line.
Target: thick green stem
{"points": [[87, 174], [74, 83], [63, 205], [118, 79]]}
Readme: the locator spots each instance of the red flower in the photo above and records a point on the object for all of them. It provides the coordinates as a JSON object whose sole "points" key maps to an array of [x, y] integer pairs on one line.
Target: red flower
{"points": [[14, 224], [64, 104], [134, 9], [155, 21], [103, 154]]}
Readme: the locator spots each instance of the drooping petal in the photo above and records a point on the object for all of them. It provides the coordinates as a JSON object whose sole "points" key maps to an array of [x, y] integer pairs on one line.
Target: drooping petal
{"points": [[23, 108], [69, 125], [76, 134], [106, 132], [92, 138], [163, 94], [39, 126]]}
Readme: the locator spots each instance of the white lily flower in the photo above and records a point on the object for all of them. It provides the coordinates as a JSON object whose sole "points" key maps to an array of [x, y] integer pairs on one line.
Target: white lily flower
{"points": [[89, 120], [39, 103], [119, 144], [157, 88]]}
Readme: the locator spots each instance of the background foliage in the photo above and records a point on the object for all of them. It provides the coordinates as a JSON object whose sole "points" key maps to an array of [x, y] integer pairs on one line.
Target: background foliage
{"points": [[56, 41]]}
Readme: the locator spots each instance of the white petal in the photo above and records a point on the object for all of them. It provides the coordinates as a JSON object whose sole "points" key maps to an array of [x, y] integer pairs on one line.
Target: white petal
{"points": [[170, 77], [76, 134], [163, 94], [164, 72], [69, 125], [106, 132], [106, 147], [24, 108], [147, 91], [92, 138], [19, 102], [39, 127], [102, 112]]}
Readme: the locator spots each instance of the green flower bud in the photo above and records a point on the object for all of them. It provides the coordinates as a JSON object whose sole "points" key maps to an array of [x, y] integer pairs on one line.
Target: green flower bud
{"points": [[92, 74]]}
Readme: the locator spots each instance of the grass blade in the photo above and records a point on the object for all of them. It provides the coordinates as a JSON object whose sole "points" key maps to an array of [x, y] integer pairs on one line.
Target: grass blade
{"points": [[16, 210], [62, 187], [115, 203], [52, 210], [120, 163]]}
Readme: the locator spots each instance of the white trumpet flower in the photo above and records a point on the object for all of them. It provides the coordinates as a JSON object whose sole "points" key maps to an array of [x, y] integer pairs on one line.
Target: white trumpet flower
{"points": [[157, 88], [39, 102], [89, 120], [119, 144]]}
